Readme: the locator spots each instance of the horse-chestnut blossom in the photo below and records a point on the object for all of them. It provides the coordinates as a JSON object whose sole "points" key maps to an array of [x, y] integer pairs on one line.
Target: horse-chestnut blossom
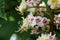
{"points": [[53, 3], [58, 19], [37, 20], [47, 37]]}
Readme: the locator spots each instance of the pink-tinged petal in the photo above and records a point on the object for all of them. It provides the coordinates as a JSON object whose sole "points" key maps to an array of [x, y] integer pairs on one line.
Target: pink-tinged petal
{"points": [[58, 20], [36, 1], [51, 37], [29, 1], [31, 20]]}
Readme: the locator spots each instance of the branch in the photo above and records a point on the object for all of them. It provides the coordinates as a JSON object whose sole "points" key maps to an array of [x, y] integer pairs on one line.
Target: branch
{"points": [[38, 7], [57, 11]]}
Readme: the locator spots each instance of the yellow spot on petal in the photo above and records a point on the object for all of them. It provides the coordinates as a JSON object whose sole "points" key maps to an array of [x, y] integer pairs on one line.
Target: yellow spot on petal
{"points": [[42, 38], [54, 1]]}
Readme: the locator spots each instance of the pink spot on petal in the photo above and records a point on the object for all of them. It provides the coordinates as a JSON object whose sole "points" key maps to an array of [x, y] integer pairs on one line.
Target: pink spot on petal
{"points": [[38, 20], [32, 19], [44, 21]]}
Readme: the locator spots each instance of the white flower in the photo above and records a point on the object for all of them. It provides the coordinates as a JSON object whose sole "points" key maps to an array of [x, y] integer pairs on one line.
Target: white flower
{"points": [[35, 30], [45, 20], [43, 37], [58, 15], [33, 2], [39, 21], [41, 10], [24, 26], [29, 3], [47, 37], [22, 6], [42, 4], [58, 19], [53, 3], [13, 37], [30, 15], [32, 10], [31, 20]]}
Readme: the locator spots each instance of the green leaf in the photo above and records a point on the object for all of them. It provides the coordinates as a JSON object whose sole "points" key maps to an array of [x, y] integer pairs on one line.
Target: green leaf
{"points": [[11, 18]]}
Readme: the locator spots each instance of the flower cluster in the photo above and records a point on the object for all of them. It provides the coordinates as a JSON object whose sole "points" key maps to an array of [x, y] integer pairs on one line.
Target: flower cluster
{"points": [[32, 4], [31, 21], [47, 37], [29, 5], [37, 20]]}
